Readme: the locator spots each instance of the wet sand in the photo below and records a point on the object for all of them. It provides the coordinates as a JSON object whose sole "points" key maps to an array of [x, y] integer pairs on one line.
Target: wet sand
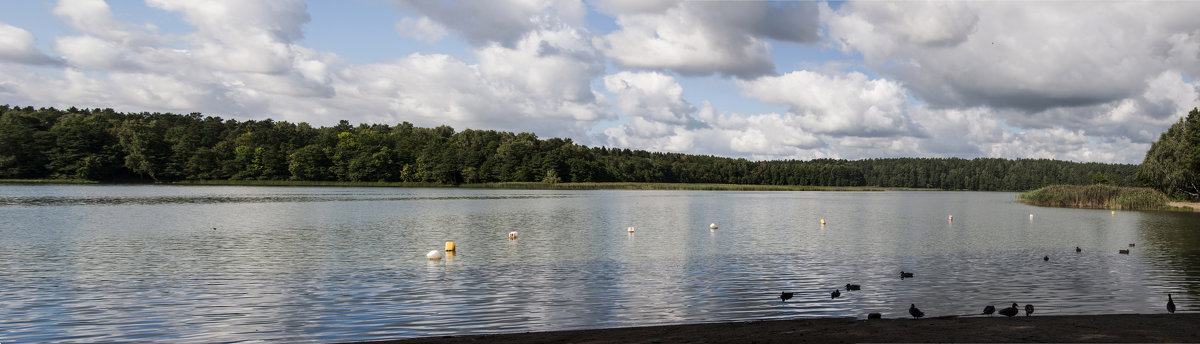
{"points": [[1124, 328]]}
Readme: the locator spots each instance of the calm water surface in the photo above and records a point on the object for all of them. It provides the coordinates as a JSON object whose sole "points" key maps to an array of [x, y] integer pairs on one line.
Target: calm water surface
{"points": [[306, 264]]}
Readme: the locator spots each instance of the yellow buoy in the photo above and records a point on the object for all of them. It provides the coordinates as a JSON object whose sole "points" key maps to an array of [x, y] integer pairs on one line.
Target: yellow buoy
{"points": [[1114, 212], [822, 222], [512, 235], [449, 246]]}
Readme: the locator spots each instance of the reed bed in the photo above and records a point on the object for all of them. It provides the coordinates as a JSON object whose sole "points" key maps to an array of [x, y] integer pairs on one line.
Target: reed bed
{"points": [[1099, 196]]}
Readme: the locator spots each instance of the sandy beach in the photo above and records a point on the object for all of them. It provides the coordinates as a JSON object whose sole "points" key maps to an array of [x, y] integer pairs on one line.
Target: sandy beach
{"points": [[1123, 328]]}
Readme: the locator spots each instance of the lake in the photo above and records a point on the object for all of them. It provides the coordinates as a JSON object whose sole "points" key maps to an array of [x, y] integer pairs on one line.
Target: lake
{"points": [[88, 263]]}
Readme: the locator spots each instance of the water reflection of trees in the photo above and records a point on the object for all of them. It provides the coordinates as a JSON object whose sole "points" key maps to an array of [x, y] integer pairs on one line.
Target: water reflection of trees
{"points": [[1170, 244]]}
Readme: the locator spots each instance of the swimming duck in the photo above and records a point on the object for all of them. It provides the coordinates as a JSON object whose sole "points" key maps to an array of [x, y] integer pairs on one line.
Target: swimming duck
{"points": [[835, 294], [989, 309], [850, 287], [784, 296], [905, 274]]}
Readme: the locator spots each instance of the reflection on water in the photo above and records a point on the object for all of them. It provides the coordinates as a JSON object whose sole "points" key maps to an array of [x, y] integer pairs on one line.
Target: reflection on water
{"points": [[207, 264]]}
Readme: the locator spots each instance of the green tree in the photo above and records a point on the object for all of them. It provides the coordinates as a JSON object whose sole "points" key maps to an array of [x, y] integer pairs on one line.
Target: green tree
{"points": [[1172, 165]]}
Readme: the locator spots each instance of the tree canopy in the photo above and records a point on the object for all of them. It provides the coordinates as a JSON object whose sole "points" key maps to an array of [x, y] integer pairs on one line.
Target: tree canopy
{"points": [[1172, 164], [104, 145]]}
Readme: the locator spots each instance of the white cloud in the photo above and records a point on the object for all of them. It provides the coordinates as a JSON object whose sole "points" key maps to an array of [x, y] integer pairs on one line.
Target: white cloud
{"points": [[703, 38], [95, 18], [18, 46], [840, 105], [650, 95], [242, 36], [499, 21], [1013, 55], [421, 28]]}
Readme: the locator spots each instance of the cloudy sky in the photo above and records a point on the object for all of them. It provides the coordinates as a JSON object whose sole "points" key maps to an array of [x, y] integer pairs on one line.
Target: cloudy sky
{"points": [[1070, 80]]}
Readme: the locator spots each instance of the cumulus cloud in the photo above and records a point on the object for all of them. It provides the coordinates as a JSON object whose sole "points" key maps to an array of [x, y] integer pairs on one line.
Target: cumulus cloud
{"points": [[501, 21], [242, 36], [840, 105], [18, 46], [650, 96], [704, 38], [95, 18], [1012, 55], [423, 29]]}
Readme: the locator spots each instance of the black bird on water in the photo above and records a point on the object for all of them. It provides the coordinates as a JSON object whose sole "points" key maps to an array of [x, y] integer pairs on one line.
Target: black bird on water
{"points": [[1046, 258], [989, 310], [784, 296], [916, 313], [1028, 310], [1010, 311], [835, 294], [1077, 250], [874, 316], [1170, 304], [850, 287], [1123, 251], [905, 274]]}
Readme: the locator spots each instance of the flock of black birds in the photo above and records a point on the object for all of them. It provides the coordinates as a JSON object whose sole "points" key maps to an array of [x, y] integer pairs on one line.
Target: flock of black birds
{"points": [[987, 310]]}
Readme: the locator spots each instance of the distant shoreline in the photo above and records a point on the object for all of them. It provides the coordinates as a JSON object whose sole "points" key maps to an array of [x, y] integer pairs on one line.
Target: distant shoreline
{"points": [[1141, 328], [506, 185]]}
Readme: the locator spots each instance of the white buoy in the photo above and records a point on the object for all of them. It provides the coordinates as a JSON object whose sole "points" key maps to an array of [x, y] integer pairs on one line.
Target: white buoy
{"points": [[713, 226], [951, 218], [631, 229], [512, 235], [1030, 217], [434, 255]]}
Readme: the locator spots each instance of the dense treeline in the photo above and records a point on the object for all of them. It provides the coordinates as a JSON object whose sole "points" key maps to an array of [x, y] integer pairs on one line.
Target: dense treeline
{"points": [[1172, 165], [104, 145]]}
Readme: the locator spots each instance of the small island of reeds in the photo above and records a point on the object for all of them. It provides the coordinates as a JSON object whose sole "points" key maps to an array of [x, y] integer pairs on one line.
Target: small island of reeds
{"points": [[1099, 196]]}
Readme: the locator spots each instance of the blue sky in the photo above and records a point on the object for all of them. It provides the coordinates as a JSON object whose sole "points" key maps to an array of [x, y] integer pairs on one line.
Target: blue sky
{"points": [[1081, 81]]}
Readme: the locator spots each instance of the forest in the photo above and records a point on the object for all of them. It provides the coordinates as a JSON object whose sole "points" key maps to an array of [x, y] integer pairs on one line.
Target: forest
{"points": [[108, 146]]}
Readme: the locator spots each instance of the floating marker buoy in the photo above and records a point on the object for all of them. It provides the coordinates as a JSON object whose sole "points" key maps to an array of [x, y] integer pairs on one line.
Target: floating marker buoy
{"points": [[450, 246], [434, 255], [713, 226], [1030, 217], [631, 229], [822, 222], [951, 218], [512, 235], [1114, 212]]}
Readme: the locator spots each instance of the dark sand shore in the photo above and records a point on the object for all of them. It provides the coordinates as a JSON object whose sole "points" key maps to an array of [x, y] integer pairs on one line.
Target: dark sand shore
{"points": [[1122, 328]]}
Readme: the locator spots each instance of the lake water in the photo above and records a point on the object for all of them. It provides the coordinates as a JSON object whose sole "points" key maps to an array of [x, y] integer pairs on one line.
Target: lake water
{"points": [[315, 264]]}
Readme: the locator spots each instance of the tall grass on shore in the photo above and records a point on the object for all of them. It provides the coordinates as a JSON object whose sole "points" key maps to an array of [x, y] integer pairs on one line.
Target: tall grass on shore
{"points": [[1100, 196], [665, 186], [547, 186], [47, 181]]}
